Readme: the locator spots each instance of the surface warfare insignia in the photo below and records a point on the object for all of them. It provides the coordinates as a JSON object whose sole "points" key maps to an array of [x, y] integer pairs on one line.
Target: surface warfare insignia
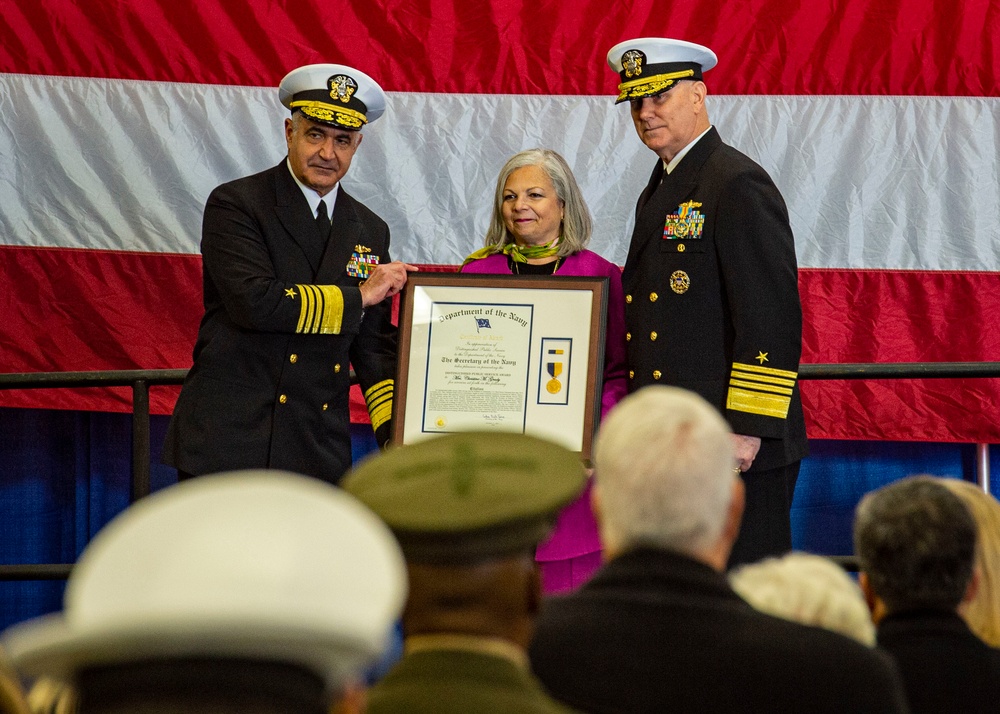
{"points": [[632, 63], [686, 223], [342, 87], [362, 262]]}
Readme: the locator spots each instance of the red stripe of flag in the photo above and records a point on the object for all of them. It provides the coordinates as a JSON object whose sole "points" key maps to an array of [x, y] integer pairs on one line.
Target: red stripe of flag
{"points": [[907, 47], [71, 310]]}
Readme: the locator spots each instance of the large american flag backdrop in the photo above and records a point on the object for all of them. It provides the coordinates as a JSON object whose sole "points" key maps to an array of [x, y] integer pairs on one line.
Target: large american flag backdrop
{"points": [[879, 121]]}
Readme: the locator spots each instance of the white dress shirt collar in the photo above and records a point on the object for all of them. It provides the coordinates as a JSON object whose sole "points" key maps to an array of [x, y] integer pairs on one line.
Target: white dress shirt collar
{"points": [[314, 198], [683, 152]]}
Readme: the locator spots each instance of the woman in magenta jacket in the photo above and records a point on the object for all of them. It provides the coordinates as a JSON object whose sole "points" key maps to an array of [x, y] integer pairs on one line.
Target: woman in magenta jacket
{"points": [[541, 226]]}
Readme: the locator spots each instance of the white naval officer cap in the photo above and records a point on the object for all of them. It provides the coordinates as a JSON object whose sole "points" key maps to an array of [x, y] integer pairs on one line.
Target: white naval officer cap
{"points": [[261, 565], [651, 65], [333, 94]]}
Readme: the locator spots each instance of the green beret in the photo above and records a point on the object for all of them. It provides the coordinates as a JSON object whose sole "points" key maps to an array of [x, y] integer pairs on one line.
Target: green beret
{"points": [[463, 498]]}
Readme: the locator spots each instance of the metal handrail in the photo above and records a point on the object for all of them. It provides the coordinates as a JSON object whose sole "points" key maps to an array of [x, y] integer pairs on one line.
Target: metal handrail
{"points": [[39, 571], [900, 370], [106, 378], [847, 562], [140, 380]]}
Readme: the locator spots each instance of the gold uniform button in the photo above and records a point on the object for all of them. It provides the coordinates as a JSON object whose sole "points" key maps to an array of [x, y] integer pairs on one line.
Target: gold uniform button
{"points": [[631, 374], [293, 358], [681, 248], [653, 336], [628, 299], [653, 297], [336, 368], [656, 374], [628, 336], [283, 398], [324, 407]]}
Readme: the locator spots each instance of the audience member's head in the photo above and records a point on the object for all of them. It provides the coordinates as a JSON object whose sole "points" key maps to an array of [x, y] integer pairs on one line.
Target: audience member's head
{"points": [[665, 478], [915, 541], [469, 510], [245, 592], [982, 613], [52, 696], [809, 589], [12, 699]]}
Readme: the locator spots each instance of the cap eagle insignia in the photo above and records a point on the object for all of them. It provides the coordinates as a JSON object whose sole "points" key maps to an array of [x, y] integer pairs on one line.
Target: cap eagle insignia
{"points": [[342, 88], [632, 62]]}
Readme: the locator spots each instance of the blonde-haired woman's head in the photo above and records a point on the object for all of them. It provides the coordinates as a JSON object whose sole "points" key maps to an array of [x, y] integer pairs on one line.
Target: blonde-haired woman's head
{"points": [[809, 589], [982, 613]]}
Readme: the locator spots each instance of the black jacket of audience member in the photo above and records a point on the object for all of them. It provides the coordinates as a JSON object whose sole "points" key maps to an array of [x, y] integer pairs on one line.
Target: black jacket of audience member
{"points": [[655, 631], [945, 667]]}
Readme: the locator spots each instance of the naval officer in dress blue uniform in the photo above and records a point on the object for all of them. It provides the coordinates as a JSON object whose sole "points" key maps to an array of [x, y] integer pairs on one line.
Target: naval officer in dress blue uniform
{"points": [[296, 276], [711, 281]]}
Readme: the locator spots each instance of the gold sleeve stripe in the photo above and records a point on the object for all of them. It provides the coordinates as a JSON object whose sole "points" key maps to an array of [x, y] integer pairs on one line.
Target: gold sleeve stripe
{"points": [[379, 389], [761, 379], [321, 311], [379, 399], [381, 415], [765, 370], [374, 406], [770, 405], [760, 387], [310, 308], [333, 310], [305, 309]]}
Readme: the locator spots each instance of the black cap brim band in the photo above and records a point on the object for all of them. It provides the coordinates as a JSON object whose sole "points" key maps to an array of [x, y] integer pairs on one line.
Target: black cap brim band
{"points": [[316, 105], [658, 78], [475, 546]]}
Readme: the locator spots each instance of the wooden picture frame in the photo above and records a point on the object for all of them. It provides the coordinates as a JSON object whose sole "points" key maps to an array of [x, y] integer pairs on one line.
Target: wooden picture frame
{"points": [[501, 352]]}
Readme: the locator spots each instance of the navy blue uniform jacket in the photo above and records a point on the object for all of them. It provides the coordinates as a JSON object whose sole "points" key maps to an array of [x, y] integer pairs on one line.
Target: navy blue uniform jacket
{"points": [[283, 324], [711, 295]]}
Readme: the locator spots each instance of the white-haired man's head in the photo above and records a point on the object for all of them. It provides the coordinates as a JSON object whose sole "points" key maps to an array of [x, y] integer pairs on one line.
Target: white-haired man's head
{"points": [[664, 469]]}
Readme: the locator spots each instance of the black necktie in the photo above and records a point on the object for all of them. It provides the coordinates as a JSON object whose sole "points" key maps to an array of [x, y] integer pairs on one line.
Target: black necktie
{"points": [[322, 220]]}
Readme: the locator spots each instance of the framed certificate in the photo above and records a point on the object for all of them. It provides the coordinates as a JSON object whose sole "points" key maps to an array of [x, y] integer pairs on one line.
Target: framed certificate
{"points": [[500, 352]]}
